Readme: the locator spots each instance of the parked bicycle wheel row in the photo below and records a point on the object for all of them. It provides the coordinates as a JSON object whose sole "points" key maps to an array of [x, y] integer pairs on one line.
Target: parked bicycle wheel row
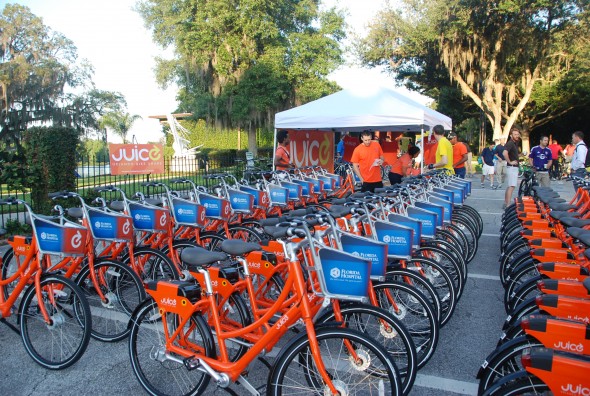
{"points": [[544, 263], [209, 313]]}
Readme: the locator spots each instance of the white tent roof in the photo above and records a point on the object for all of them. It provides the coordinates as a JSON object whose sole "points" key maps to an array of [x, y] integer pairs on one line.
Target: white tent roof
{"points": [[354, 110]]}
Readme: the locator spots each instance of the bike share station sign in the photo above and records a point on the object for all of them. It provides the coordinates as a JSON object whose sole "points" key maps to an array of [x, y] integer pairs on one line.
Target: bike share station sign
{"points": [[128, 159]]}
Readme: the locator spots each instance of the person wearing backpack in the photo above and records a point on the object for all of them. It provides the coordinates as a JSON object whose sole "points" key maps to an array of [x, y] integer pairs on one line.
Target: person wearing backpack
{"points": [[580, 158]]}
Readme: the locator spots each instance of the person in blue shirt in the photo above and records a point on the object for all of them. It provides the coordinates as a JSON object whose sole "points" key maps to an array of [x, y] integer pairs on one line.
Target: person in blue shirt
{"points": [[340, 147], [487, 156], [540, 160]]}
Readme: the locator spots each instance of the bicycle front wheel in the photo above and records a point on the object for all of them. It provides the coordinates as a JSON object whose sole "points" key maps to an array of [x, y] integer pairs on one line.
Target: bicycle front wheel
{"points": [[63, 341], [122, 290], [157, 371], [355, 362]]}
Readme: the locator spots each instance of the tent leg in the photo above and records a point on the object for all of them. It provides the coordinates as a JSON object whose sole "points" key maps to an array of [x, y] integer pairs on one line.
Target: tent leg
{"points": [[274, 149]]}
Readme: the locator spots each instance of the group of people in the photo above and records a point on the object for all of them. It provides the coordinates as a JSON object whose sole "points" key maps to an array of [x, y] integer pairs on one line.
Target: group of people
{"points": [[498, 159]]}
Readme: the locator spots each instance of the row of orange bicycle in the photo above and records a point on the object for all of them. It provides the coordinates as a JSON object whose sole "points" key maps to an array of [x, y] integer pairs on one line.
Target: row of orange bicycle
{"points": [[544, 266], [205, 281]]}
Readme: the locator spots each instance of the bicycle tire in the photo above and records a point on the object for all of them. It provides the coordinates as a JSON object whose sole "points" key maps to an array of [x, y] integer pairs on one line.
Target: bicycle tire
{"points": [[243, 233], [440, 280], [154, 264], [449, 248], [420, 283], [524, 291], [387, 330], [147, 344], [474, 215], [63, 342], [456, 231], [470, 234], [9, 268], [446, 261], [211, 241], [413, 309], [452, 240], [504, 360], [294, 367], [521, 275], [519, 383], [235, 314], [124, 292], [527, 307]]}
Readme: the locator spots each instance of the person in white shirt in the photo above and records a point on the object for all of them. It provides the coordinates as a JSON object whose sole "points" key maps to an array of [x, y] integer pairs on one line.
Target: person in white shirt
{"points": [[579, 157]]}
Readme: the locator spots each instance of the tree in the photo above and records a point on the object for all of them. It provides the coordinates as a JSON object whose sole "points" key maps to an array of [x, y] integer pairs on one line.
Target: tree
{"points": [[239, 62], [495, 52], [120, 123], [37, 66]]}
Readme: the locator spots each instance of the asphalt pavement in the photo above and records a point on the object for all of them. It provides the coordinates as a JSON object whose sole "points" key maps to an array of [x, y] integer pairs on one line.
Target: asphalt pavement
{"points": [[465, 341]]}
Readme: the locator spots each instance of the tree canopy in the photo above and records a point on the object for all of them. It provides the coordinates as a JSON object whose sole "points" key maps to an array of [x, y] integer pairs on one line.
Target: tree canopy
{"points": [[119, 122], [41, 79], [495, 52], [238, 62]]}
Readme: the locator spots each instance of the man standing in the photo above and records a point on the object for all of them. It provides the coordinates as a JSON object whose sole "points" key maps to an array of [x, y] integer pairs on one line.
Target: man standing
{"points": [[487, 165], [282, 159], [540, 160], [579, 157], [459, 155], [340, 147], [500, 162], [511, 156], [367, 159], [556, 151], [444, 151]]}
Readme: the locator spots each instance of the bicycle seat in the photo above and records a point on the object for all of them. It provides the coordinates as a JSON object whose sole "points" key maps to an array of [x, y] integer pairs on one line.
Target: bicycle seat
{"points": [[586, 283], [198, 257], [339, 211], [573, 222], [276, 232], [237, 247], [76, 213], [558, 214], [561, 206], [576, 232], [154, 201], [119, 206]]}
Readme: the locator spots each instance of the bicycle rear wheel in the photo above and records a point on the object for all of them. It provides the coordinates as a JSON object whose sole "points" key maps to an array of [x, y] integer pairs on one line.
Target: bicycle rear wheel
{"points": [[155, 369], [371, 371], [61, 343]]}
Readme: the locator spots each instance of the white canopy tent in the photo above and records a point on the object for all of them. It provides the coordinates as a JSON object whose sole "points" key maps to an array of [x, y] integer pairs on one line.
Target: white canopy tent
{"points": [[381, 109], [355, 110]]}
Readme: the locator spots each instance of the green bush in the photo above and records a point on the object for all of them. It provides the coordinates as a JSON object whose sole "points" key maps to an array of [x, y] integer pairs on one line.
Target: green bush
{"points": [[15, 227]]}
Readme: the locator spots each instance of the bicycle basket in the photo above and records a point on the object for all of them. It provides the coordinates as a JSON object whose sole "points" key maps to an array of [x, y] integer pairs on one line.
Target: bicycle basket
{"points": [[436, 208], [367, 249], [68, 238], [448, 206], [294, 190], [216, 208], [406, 221], [318, 185], [397, 237], [306, 187], [429, 220], [188, 213], [328, 182], [149, 218], [241, 201], [337, 180], [342, 275], [109, 225], [261, 200], [278, 195]]}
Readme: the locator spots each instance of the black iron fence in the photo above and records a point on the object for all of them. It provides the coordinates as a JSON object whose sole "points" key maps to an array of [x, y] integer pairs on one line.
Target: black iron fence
{"points": [[92, 173]]}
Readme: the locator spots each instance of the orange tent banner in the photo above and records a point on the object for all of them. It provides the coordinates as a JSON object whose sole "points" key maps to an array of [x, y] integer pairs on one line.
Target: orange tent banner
{"points": [[350, 144], [312, 148], [128, 159]]}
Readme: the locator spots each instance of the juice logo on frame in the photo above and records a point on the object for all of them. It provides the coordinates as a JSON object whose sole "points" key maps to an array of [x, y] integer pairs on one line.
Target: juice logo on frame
{"points": [[312, 148], [136, 159]]}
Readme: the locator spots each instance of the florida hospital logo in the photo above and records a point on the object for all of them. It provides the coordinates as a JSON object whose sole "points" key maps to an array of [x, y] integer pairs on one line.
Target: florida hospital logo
{"points": [[97, 224], [76, 240], [386, 239], [43, 235], [137, 217], [335, 272]]}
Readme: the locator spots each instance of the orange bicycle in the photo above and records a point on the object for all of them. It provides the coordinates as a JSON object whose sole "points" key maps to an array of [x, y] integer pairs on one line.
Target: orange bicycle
{"points": [[53, 314]]}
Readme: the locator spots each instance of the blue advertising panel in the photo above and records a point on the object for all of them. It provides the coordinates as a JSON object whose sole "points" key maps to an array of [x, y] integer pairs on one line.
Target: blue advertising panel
{"points": [[148, 218], [406, 221], [398, 238], [260, 197], [188, 213], [306, 187], [318, 185], [429, 220], [241, 201], [278, 195], [431, 206], [294, 190], [328, 182], [445, 204], [367, 249], [344, 275], [447, 193], [215, 207], [60, 239], [112, 226], [337, 180]]}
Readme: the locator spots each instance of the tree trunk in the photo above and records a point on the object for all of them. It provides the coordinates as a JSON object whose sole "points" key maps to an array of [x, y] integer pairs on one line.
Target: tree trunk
{"points": [[252, 146], [525, 137]]}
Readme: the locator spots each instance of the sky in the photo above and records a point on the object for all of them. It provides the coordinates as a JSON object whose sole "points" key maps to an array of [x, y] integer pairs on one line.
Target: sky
{"points": [[112, 36]]}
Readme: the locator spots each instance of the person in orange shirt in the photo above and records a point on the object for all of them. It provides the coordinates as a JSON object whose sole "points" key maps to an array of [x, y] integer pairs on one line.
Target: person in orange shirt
{"points": [[282, 159], [459, 155], [367, 159], [400, 167]]}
